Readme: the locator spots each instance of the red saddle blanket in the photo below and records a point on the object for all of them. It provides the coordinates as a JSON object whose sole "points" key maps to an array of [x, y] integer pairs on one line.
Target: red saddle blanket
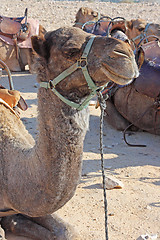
{"points": [[25, 43]]}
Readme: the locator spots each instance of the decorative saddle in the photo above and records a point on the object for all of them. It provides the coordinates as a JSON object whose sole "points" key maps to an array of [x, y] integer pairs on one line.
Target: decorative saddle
{"points": [[105, 25], [14, 28]]}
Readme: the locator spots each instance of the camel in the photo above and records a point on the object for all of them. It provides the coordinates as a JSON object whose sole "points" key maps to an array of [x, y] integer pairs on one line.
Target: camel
{"points": [[138, 29], [26, 55], [135, 29], [39, 177], [128, 104]]}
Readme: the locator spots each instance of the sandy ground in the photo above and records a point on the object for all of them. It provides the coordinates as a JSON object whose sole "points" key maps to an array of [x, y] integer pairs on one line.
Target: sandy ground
{"points": [[134, 209]]}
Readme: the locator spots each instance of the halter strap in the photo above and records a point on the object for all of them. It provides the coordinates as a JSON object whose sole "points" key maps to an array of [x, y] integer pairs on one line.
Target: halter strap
{"points": [[143, 34], [82, 64]]}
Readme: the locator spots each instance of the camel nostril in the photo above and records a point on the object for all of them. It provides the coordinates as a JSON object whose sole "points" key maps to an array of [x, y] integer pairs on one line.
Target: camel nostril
{"points": [[121, 53]]}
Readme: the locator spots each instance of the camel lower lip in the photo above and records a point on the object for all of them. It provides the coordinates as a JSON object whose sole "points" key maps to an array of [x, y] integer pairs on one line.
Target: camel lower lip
{"points": [[122, 80]]}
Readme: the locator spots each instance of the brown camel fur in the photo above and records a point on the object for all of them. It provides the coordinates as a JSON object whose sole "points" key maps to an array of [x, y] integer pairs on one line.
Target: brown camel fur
{"points": [[27, 55], [38, 178]]}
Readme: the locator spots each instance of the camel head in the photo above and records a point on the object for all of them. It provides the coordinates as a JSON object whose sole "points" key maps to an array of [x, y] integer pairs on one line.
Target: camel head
{"points": [[135, 27], [138, 27], [84, 15], [108, 59]]}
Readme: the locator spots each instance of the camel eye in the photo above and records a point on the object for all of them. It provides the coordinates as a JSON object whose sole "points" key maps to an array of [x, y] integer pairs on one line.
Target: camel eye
{"points": [[141, 29], [94, 14]]}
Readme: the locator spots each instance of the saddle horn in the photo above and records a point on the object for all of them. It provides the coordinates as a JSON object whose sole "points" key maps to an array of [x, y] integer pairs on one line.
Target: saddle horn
{"points": [[26, 15]]}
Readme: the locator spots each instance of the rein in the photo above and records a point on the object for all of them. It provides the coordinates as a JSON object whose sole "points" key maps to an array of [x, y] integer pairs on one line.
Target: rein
{"points": [[102, 103], [80, 64]]}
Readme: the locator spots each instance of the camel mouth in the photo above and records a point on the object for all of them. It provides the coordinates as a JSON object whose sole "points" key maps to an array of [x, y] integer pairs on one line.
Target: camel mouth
{"points": [[115, 77]]}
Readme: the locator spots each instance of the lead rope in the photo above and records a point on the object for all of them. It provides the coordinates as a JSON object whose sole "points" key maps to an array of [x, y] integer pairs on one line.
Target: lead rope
{"points": [[102, 103]]}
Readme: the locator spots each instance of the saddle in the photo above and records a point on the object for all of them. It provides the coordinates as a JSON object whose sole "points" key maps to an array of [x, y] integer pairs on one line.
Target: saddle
{"points": [[148, 82], [11, 98], [105, 25], [14, 28]]}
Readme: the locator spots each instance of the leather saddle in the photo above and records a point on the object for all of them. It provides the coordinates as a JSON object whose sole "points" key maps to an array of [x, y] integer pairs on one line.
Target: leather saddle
{"points": [[11, 97], [105, 25], [148, 82], [14, 28]]}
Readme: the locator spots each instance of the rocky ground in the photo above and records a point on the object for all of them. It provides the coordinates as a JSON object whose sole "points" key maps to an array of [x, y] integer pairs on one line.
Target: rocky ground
{"points": [[135, 209]]}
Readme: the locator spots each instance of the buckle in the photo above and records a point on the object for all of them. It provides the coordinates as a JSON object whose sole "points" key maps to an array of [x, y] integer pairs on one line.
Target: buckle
{"points": [[82, 62], [51, 84]]}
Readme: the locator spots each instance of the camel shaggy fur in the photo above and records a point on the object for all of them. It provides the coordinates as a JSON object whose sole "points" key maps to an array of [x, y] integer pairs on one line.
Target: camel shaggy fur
{"points": [[39, 177]]}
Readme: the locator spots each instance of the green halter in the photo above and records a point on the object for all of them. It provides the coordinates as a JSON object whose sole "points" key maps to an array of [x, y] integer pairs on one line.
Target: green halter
{"points": [[81, 63]]}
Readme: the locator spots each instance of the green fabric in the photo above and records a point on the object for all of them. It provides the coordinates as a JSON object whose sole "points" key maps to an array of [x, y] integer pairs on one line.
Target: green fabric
{"points": [[70, 70]]}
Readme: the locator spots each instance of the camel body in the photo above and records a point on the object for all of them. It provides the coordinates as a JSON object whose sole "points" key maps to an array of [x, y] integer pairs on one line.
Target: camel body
{"points": [[39, 177]]}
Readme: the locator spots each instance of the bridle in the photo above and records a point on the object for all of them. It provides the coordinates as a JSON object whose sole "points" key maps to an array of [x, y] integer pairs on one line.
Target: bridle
{"points": [[142, 35], [80, 64], [113, 24]]}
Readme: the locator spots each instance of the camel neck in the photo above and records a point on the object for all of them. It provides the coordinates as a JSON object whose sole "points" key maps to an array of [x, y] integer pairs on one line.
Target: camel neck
{"points": [[60, 144]]}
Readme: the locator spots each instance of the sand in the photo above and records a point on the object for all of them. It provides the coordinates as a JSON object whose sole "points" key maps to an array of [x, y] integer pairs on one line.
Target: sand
{"points": [[135, 209]]}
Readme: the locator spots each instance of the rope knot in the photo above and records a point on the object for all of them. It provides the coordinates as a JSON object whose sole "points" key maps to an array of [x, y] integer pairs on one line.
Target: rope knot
{"points": [[102, 100]]}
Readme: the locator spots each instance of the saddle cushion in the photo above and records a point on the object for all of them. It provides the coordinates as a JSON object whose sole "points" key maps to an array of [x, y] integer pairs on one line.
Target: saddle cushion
{"points": [[11, 97], [9, 26], [137, 109], [148, 82], [34, 30]]}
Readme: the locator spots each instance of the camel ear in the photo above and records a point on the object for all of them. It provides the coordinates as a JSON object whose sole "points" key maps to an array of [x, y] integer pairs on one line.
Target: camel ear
{"points": [[83, 10], [130, 24], [38, 45]]}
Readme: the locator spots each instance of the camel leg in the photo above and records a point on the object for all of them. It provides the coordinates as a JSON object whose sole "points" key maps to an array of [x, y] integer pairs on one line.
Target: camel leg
{"points": [[61, 229], [2, 234], [40, 228], [22, 226]]}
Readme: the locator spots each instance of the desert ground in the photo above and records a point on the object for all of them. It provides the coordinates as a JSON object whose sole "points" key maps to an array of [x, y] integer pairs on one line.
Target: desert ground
{"points": [[133, 210]]}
